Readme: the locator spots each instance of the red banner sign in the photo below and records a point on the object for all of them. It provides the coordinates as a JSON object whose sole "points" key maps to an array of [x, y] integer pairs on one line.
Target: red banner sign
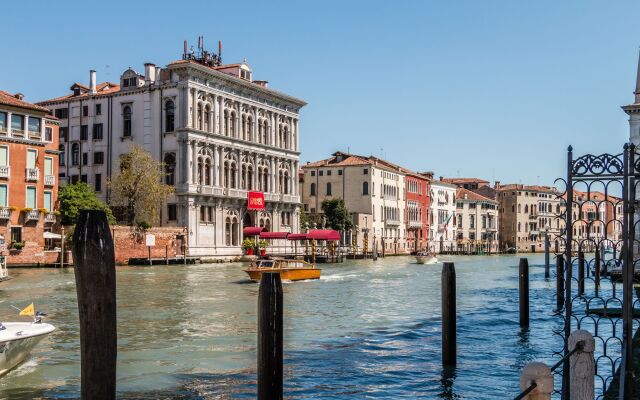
{"points": [[255, 201]]}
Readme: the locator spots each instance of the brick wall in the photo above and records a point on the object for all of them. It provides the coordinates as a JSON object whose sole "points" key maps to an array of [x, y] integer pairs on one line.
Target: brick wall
{"points": [[130, 242]]}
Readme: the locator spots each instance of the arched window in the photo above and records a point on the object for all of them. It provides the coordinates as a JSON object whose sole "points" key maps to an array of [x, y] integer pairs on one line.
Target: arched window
{"points": [[328, 188], [61, 155], [312, 191], [126, 121], [169, 168], [207, 116], [75, 154], [227, 232], [169, 116], [365, 187], [207, 171]]}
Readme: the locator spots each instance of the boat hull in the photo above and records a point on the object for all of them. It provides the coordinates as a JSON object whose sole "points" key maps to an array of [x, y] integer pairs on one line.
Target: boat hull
{"points": [[286, 274], [17, 341]]}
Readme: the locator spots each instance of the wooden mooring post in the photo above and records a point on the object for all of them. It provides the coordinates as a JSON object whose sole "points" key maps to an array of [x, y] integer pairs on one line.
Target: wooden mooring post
{"points": [[95, 273], [448, 290], [559, 282], [580, 273], [524, 292], [270, 342]]}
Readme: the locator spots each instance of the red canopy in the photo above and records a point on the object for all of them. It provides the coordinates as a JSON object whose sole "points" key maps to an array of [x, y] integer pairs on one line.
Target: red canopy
{"points": [[323, 234], [297, 236], [252, 230], [273, 235]]}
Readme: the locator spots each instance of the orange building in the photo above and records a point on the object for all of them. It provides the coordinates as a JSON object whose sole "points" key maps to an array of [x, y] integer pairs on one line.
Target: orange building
{"points": [[28, 181]]}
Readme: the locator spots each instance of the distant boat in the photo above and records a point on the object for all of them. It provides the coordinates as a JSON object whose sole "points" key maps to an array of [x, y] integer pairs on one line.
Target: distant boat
{"points": [[17, 339], [422, 257], [289, 270]]}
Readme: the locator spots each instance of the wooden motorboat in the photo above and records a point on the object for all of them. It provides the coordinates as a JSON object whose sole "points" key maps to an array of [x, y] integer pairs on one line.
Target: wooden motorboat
{"points": [[289, 270], [426, 258]]}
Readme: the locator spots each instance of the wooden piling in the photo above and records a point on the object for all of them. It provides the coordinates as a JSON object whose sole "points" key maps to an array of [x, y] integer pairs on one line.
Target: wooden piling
{"points": [[270, 337], [524, 292], [580, 273], [95, 273], [448, 290], [559, 282]]}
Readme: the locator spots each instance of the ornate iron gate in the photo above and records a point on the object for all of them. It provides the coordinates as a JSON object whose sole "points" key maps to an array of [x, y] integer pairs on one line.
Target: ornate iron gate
{"points": [[599, 255]]}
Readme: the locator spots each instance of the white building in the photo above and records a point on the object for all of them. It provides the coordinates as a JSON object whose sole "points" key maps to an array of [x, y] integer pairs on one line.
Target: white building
{"points": [[373, 191], [219, 132], [442, 217]]}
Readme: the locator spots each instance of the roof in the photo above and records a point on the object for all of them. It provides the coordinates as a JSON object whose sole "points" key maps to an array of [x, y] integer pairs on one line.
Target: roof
{"points": [[461, 192], [9, 99], [101, 89]]}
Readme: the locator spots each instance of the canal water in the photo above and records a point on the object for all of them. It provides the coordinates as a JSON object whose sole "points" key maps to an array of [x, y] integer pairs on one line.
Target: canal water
{"points": [[365, 330]]}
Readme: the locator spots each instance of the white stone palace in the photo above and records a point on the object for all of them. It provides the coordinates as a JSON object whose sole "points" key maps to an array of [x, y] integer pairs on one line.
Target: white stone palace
{"points": [[219, 132]]}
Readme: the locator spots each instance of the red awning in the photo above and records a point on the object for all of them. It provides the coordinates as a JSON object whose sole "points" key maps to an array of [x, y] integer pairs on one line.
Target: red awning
{"points": [[322, 234], [252, 230], [273, 235], [297, 236]]}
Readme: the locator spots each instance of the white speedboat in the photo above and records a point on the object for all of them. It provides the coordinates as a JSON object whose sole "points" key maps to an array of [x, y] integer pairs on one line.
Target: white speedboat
{"points": [[17, 339], [426, 258]]}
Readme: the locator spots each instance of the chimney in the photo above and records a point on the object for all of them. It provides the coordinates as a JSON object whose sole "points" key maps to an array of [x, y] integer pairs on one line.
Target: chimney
{"points": [[19, 96], [92, 82], [149, 73]]}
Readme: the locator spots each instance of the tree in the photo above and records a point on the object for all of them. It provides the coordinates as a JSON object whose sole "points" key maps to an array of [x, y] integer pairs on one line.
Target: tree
{"points": [[76, 197], [138, 190], [336, 214]]}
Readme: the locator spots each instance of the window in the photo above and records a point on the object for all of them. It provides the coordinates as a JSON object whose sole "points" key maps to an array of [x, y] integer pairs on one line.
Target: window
{"points": [[171, 212], [85, 158], [48, 201], [97, 132], [365, 171], [126, 120], [169, 116], [61, 155], [84, 132], [75, 154], [3, 195], [328, 188], [62, 133], [48, 134], [31, 197], [16, 234], [98, 182], [312, 190], [62, 113], [98, 109], [365, 188], [98, 157]]}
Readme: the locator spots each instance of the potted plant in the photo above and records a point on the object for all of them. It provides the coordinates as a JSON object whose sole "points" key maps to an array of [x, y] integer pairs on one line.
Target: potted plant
{"points": [[263, 244], [248, 245]]}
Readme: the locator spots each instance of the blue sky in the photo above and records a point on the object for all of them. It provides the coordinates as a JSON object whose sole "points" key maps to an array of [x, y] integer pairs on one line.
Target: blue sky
{"points": [[494, 89]]}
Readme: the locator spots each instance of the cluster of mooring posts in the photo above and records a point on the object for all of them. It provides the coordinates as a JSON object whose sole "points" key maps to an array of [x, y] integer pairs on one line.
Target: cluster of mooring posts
{"points": [[95, 276]]}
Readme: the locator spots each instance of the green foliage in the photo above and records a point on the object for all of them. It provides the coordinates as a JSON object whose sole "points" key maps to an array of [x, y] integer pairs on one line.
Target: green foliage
{"points": [[336, 214], [138, 190], [76, 197]]}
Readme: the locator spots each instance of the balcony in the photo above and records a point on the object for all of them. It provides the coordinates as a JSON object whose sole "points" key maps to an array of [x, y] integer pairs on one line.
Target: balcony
{"points": [[49, 218], [49, 180], [415, 224], [33, 215], [32, 174], [5, 171], [5, 213]]}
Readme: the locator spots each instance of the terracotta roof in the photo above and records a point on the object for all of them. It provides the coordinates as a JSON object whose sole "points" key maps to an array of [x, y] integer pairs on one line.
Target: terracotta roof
{"points": [[461, 192], [101, 89], [11, 100]]}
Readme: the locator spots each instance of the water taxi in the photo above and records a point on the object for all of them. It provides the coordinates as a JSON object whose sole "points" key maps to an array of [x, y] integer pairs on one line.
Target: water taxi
{"points": [[290, 270], [422, 257]]}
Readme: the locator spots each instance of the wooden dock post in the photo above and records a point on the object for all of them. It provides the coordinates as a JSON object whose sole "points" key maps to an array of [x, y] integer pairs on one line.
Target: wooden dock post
{"points": [[270, 345], [539, 374], [448, 290], [95, 272], [583, 365], [580, 273], [559, 282], [524, 292]]}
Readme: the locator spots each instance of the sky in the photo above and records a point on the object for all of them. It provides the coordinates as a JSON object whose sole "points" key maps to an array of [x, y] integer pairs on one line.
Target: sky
{"points": [[489, 89]]}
